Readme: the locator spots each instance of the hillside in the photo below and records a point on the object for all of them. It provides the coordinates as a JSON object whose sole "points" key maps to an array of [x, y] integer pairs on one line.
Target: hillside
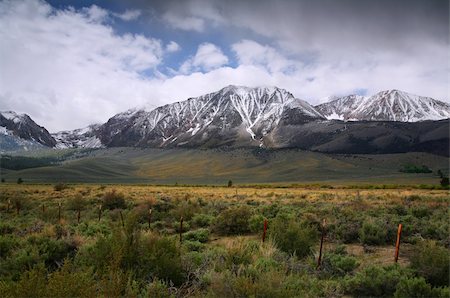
{"points": [[169, 166]]}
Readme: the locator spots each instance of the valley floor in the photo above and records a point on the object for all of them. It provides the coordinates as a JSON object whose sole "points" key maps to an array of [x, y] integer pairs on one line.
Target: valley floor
{"points": [[217, 167]]}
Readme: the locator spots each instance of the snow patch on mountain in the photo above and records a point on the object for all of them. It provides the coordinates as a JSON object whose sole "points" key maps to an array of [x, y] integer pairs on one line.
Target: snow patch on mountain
{"points": [[13, 116], [79, 138]]}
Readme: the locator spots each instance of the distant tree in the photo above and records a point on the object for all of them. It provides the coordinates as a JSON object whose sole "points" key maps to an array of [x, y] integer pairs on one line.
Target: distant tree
{"points": [[230, 183], [444, 180], [3, 180], [60, 186], [19, 180]]}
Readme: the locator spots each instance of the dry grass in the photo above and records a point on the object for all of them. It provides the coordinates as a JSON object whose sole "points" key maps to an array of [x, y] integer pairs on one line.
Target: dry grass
{"points": [[141, 193]]}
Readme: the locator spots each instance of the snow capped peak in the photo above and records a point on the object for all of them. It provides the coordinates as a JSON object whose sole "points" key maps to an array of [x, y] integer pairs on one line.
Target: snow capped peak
{"points": [[253, 111], [13, 116], [388, 105], [23, 127]]}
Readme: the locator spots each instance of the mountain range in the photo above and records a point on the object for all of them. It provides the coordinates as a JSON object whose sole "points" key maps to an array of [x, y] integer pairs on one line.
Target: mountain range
{"points": [[269, 117]]}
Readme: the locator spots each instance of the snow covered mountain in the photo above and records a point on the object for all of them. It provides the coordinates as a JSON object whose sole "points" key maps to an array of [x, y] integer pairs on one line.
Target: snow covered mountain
{"points": [[228, 116], [19, 130], [390, 105], [78, 138], [269, 117]]}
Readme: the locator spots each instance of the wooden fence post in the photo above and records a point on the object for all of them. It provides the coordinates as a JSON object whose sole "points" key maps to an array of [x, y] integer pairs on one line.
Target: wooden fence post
{"points": [[99, 212], [181, 229], [397, 244], [264, 231], [319, 260], [59, 211], [149, 217], [43, 208], [121, 219], [78, 215], [9, 204]]}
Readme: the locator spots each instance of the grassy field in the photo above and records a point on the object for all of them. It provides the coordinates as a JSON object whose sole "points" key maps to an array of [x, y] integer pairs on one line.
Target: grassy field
{"points": [[242, 166], [105, 241]]}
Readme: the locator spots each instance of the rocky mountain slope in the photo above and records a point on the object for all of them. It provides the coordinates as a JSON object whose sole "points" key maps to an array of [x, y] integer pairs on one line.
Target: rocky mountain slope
{"points": [[390, 105], [19, 131], [78, 138], [233, 115]]}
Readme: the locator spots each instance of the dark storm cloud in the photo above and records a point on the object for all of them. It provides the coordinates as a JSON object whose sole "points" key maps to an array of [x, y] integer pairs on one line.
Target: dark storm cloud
{"points": [[393, 44], [309, 24]]}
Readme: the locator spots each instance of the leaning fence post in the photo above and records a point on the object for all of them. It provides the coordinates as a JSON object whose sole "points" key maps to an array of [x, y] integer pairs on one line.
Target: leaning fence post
{"points": [[121, 219], [78, 215], [397, 244], [264, 231], [319, 260], [181, 229]]}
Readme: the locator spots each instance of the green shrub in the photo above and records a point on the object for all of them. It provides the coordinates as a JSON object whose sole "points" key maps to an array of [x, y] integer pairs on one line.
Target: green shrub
{"points": [[76, 203], [7, 244], [399, 210], [239, 252], [256, 223], [272, 283], [373, 233], [6, 228], [338, 264], [377, 281], [432, 261], [51, 251], [158, 288], [420, 211], [347, 231], [200, 235], [20, 203], [202, 220], [293, 237], [193, 245], [113, 200], [418, 287], [184, 209], [233, 221], [67, 282], [31, 284], [164, 257]]}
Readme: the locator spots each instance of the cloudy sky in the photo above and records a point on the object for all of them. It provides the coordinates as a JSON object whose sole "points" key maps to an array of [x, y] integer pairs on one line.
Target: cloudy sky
{"points": [[72, 63]]}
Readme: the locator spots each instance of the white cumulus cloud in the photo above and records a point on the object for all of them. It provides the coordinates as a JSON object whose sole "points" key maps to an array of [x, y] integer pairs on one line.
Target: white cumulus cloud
{"points": [[67, 67], [207, 57], [172, 47], [129, 14]]}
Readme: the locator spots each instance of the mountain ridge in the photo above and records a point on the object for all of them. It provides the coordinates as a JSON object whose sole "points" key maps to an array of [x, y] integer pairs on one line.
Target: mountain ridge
{"points": [[388, 105], [240, 116]]}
